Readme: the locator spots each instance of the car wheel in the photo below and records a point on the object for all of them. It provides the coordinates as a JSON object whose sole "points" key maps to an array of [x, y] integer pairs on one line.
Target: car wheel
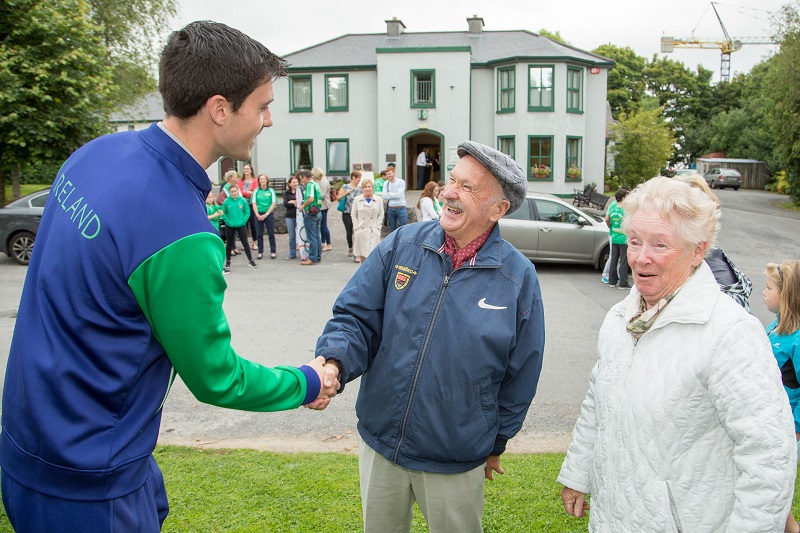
{"points": [[604, 255], [713, 184], [736, 188], [21, 246]]}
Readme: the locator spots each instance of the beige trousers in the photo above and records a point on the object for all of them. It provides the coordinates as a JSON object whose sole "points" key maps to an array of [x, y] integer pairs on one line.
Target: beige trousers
{"points": [[450, 503]]}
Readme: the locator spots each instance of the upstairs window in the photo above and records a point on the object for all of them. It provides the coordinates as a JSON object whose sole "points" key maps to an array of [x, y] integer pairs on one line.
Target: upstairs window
{"points": [[423, 88], [540, 87], [299, 94], [506, 86], [336, 92], [574, 90]]}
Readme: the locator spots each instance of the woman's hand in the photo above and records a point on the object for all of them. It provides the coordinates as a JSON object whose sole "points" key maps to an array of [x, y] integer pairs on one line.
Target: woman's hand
{"points": [[575, 503]]}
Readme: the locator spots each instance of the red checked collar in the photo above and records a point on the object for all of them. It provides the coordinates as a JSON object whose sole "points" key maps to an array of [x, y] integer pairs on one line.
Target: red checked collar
{"points": [[460, 256]]}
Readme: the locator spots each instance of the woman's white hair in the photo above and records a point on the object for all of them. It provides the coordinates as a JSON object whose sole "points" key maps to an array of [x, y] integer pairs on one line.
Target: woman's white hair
{"points": [[697, 212]]}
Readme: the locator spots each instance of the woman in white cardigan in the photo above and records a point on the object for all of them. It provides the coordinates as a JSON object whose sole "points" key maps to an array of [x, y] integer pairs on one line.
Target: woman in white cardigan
{"points": [[367, 215], [427, 202], [684, 427]]}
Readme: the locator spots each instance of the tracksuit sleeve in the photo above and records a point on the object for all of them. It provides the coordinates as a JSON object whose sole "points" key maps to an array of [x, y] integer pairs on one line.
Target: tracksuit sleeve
{"points": [[180, 291]]}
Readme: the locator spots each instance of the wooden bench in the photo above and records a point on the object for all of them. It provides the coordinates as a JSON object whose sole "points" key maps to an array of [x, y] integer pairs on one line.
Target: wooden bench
{"points": [[583, 197], [278, 184], [598, 200]]}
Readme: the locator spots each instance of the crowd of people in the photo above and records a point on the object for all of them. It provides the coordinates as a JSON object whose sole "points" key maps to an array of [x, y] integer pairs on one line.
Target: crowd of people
{"points": [[366, 204]]}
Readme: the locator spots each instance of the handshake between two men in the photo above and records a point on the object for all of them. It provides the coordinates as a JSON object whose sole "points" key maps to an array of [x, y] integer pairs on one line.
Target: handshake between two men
{"points": [[328, 373]]}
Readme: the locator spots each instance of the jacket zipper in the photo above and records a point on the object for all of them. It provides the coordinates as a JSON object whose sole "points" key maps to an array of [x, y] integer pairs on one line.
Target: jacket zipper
{"points": [[419, 367]]}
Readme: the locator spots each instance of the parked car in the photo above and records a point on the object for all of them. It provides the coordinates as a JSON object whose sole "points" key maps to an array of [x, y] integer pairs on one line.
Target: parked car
{"points": [[681, 172], [547, 229], [719, 178], [19, 222]]}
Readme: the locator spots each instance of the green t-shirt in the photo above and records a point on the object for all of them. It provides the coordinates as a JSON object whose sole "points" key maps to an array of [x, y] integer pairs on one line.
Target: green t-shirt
{"points": [[615, 216], [378, 183], [236, 212], [210, 210], [263, 199], [313, 189]]}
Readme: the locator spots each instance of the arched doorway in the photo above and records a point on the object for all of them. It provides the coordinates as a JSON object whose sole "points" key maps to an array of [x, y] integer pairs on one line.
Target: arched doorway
{"points": [[414, 142]]}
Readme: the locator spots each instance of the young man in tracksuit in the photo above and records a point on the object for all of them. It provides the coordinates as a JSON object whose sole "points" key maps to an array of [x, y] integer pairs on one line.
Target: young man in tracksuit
{"points": [[444, 323], [112, 310]]}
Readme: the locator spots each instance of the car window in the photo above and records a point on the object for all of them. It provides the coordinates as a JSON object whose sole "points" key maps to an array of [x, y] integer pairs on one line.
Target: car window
{"points": [[39, 201], [555, 212], [522, 213]]}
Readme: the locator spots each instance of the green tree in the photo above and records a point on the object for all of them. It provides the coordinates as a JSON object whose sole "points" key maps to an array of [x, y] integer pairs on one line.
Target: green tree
{"points": [[642, 144], [783, 91], [739, 125], [554, 36], [626, 85], [55, 81], [131, 31], [687, 99]]}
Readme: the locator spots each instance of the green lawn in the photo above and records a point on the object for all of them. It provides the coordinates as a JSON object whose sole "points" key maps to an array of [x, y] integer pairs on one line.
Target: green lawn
{"points": [[259, 492], [25, 188]]}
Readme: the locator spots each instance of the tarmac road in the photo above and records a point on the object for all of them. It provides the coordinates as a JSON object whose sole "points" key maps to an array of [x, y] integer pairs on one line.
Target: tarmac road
{"points": [[277, 311]]}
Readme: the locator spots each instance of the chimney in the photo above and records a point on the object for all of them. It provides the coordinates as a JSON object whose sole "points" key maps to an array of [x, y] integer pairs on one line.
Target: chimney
{"points": [[475, 24], [394, 27]]}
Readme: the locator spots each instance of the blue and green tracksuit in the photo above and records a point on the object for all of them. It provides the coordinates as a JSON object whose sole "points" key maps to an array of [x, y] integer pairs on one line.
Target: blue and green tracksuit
{"points": [[124, 288]]}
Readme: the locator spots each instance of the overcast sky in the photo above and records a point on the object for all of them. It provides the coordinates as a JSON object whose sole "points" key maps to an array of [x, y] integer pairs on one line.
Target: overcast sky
{"points": [[287, 26]]}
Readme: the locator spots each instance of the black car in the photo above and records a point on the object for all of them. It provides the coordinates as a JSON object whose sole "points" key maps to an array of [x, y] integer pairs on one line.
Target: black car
{"points": [[19, 222]]}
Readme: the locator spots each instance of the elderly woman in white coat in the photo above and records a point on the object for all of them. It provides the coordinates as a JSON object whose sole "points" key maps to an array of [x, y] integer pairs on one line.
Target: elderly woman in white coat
{"points": [[367, 214], [684, 427]]}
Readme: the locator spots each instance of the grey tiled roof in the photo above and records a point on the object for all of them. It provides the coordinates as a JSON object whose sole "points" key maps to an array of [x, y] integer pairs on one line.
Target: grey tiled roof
{"points": [[149, 108], [487, 47]]}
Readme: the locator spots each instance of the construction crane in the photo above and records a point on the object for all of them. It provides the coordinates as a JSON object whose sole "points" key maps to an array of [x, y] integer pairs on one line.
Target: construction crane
{"points": [[726, 46]]}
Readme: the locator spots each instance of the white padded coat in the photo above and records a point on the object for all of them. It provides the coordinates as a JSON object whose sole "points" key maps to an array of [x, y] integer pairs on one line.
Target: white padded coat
{"points": [[689, 430]]}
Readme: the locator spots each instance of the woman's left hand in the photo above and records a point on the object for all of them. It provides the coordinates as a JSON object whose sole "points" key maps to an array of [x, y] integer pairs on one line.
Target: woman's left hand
{"points": [[574, 502]]}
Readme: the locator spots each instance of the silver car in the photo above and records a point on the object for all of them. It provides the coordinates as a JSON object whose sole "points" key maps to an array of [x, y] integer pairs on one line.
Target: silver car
{"points": [[546, 229], [719, 178], [19, 222]]}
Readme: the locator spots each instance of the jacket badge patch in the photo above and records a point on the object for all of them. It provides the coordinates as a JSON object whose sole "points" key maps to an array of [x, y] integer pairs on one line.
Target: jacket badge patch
{"points": [[403, 276]]}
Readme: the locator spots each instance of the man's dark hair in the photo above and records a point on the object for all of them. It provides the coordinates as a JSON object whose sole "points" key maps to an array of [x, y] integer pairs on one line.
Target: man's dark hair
{"points": [[207, 58], [383, 173], [621, 194]]}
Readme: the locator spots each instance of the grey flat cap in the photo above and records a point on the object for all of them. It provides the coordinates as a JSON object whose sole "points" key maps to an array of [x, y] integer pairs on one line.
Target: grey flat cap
{"points": [[502, 167]]}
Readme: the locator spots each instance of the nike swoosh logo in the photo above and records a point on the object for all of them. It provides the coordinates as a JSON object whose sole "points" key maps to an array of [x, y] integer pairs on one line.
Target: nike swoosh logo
{"points": [[483, 305]]}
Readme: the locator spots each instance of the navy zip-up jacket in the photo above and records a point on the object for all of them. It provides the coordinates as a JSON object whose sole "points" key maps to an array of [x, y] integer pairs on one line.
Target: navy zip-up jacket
{"points": [[449, 359]]}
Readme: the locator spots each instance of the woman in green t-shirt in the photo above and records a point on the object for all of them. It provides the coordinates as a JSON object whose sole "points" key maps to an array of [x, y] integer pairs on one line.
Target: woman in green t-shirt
{"points": [[263, 201]]}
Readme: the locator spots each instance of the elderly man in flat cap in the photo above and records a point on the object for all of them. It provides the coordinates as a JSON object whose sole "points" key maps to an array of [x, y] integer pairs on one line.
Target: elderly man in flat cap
{"points": [[444, 323]]}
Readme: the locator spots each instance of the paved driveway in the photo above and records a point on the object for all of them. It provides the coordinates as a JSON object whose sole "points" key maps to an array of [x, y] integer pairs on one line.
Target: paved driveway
{"points": [[277, 311]]}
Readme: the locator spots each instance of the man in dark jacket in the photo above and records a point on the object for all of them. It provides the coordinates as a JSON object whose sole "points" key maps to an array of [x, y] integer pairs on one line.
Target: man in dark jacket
{"points": [[444, 323], [112, 308]]}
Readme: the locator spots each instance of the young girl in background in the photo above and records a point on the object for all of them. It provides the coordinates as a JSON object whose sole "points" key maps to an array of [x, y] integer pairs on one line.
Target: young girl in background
{"points": [[782, 297], [213, 211]]}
